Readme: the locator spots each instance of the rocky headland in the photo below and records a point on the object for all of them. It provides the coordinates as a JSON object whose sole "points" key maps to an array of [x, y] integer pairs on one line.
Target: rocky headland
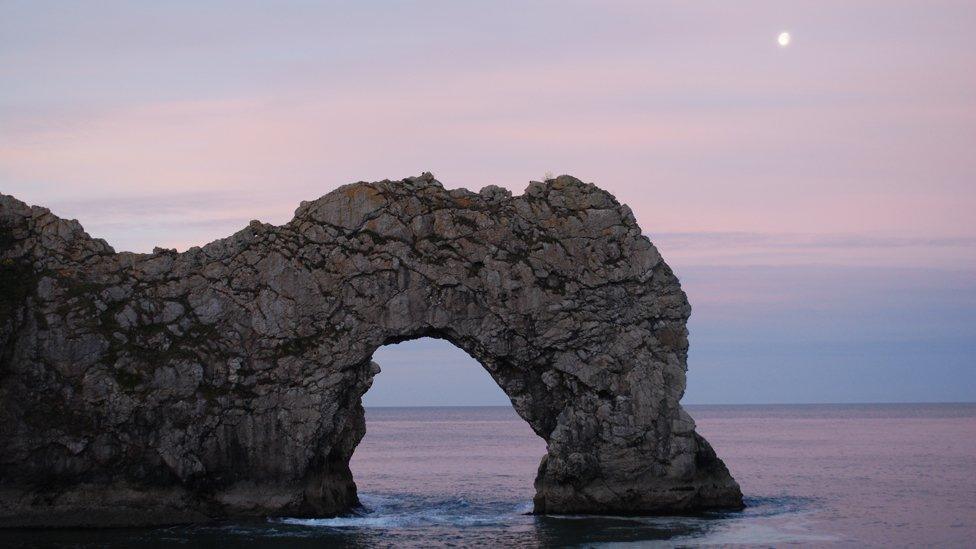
{"points": [[225, 381]]}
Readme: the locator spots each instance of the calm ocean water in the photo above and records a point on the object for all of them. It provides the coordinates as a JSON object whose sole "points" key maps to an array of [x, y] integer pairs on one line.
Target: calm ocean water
{"points": [[845, 475]]}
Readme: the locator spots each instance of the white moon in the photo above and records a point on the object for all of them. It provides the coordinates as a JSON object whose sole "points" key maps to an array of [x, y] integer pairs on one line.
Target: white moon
{"points": [[783, 39]]}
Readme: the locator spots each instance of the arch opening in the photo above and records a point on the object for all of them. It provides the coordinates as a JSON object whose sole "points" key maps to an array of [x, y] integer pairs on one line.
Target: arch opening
{"points": [[430, 371], [441, 438]]}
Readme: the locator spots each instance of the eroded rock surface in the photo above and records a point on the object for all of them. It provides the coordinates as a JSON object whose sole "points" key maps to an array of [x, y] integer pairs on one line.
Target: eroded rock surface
{"points": [[225, 381]]}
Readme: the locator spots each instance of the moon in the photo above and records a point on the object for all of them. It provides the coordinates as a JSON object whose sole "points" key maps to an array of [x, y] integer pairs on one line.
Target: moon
{"points": [[784, 39]]}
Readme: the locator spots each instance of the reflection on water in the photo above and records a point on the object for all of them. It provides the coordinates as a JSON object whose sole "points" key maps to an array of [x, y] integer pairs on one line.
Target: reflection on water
{"points": [[407, 520]]}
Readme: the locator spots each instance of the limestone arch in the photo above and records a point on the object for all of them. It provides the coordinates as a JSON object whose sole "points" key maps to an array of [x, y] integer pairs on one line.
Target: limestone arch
{"points": [[227, 380]]}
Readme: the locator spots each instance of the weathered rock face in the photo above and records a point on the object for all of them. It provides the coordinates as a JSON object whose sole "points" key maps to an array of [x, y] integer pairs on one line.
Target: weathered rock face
{"points": [[226, 381]]}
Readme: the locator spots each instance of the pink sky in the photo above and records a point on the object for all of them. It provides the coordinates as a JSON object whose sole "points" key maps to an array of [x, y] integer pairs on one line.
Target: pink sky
{"points": [[176, 123], [692, 115]]}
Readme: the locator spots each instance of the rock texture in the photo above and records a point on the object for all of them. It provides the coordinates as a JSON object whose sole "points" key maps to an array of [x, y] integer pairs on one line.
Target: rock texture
{"points": [[225, 381]]}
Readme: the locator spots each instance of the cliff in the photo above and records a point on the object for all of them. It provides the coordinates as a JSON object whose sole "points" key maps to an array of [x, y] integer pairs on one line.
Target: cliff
{"points": [[225, 381]]}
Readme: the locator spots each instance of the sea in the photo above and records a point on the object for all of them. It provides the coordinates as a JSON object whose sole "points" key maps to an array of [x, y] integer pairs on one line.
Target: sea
{"points": [[871, 475]]}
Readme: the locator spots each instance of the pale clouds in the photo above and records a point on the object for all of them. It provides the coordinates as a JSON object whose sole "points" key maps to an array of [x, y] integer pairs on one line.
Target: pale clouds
{"points": [[751, 248], [687, 112], [819, 192]]}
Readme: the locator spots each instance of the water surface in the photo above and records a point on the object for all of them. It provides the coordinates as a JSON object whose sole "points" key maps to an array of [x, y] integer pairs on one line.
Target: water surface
{"points": [[845, 475]]}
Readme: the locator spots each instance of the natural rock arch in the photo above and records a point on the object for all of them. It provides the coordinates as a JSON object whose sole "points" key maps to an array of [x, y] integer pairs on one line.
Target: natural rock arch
{"points": [[226, 380]]}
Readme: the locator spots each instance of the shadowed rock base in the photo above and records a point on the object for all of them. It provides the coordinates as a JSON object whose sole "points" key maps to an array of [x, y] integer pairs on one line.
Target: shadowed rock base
{"points": [[226, 381], [710, 487]]}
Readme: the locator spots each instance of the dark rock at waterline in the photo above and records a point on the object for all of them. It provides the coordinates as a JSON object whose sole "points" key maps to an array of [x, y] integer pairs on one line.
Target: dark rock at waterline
{"points": [[225, 381]]}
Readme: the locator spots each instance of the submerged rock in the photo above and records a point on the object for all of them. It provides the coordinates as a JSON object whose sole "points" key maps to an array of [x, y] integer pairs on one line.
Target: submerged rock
{"points": [[225, 381]]}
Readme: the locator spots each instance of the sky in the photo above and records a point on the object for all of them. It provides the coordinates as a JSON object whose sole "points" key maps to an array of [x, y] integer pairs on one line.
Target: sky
{"points": [[816, 200]]}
